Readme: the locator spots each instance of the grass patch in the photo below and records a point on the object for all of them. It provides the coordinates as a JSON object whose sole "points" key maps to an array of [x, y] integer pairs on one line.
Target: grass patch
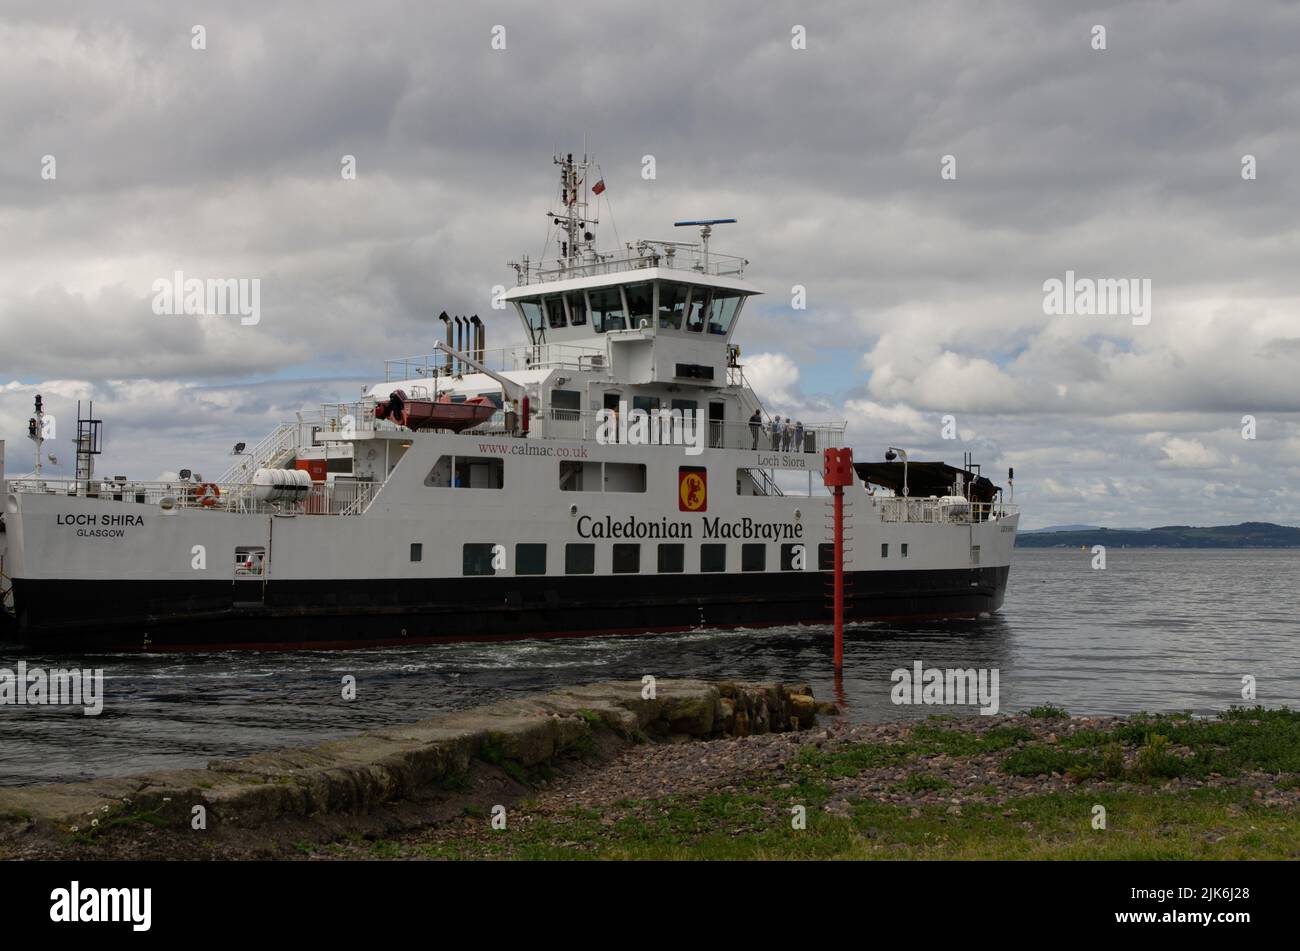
{"points": [[1047, 712], [1194, 824], [920, 782], [1045, 760], [1156, 822], [931, 738], [1239, 740], [1086, 739]]}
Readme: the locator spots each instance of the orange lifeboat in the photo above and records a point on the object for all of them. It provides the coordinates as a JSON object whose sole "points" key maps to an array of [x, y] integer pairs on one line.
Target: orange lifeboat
{"points": [[442, 413]]}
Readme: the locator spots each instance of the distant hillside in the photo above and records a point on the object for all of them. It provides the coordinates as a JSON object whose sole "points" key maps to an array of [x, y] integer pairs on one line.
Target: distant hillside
{"points": [[1060, 528], [1245, 535]]}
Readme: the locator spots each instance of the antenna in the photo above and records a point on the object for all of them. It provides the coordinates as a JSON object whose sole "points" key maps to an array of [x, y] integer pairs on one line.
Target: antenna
{"points": [[706, 229], [36, 430], [575, 185]]}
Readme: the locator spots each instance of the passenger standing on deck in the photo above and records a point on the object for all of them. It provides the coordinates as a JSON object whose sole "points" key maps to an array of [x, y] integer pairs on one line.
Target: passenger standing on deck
{"points": [[776, 433], [755, 427], [798, 436]]}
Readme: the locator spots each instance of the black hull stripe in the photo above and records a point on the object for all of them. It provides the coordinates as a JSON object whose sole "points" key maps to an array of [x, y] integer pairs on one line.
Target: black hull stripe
{"points": [[117, 615]]}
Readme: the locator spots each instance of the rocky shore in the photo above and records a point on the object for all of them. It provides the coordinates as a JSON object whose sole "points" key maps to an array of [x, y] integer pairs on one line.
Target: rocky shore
{"points": [[700, 770], [386, 779]]}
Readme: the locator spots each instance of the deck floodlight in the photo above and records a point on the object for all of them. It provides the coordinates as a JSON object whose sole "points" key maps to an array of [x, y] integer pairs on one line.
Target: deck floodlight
{"points": [[893, 453]]}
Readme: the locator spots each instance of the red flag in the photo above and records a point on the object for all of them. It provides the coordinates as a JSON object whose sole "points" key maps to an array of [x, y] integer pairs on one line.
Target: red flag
{"points": [[599, 187]]}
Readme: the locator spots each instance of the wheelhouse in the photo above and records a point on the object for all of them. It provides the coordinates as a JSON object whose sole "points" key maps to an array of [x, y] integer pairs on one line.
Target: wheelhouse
{"points": [[672, 305]]}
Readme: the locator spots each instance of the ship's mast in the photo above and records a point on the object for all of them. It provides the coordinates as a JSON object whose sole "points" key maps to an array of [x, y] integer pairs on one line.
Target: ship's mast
{"points": [[575, 186], [36, 431]]}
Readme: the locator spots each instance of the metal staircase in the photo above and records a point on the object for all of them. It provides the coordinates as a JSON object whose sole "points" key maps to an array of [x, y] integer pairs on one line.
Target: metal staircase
{"points": [[273, 452], [764, 483], [276, 451]]}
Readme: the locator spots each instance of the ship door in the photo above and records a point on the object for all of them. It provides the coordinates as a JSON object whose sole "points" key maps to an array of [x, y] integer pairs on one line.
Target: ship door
{"points": [[611, 403], [250, 574], [717, 422]]}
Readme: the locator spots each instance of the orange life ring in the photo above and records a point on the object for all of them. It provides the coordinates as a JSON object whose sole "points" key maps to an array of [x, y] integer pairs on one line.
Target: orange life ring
{"points": [[207, 494]]}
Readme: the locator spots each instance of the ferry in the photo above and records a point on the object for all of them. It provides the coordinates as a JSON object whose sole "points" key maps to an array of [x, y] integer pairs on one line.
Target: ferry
{"points": [[615, 474]]}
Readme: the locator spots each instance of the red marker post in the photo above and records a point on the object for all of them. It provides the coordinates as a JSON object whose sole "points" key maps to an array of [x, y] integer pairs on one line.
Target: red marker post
{"points": [[839, 473]]}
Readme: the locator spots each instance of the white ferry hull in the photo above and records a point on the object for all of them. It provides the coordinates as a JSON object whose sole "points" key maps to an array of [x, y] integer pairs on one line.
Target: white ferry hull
{"points": [[95, 573]]}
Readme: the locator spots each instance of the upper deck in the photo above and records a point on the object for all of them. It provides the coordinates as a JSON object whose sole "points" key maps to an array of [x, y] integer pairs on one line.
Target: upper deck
{"points": [[671, 255]]}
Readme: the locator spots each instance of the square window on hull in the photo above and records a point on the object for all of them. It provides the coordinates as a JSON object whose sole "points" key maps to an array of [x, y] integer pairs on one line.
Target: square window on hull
{"points": [[579, 559], [672, 559], [713, 558], [530, 559], [477, 559], [627, 559]]}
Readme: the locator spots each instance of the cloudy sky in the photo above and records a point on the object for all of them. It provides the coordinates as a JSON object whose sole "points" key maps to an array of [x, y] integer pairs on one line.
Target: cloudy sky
{"points": [[924, 294]]}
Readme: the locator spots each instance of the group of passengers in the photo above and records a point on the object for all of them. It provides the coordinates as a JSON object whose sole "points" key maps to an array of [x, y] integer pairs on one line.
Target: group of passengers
{"points": [[785, 435]]}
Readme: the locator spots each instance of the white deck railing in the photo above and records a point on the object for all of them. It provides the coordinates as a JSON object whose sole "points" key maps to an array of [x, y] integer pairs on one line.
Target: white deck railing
{"points": [[892, 508], [341, 497], [681, 257], [542, 356]]}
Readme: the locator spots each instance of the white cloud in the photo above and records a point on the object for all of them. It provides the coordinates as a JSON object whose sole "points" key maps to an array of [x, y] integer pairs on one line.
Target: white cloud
{"points": [[775, 377], [1189, 454]]}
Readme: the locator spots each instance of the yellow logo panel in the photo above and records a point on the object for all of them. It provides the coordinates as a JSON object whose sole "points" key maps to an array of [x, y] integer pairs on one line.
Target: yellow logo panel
{"points": [[692, 489]]}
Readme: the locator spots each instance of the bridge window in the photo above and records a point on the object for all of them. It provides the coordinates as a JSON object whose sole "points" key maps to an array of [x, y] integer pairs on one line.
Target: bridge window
{"points": [[554, 311], [698, 308], [640, 303], [531, 309], [577, 302], [607, 309], [672, 304], [723, 311]]}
